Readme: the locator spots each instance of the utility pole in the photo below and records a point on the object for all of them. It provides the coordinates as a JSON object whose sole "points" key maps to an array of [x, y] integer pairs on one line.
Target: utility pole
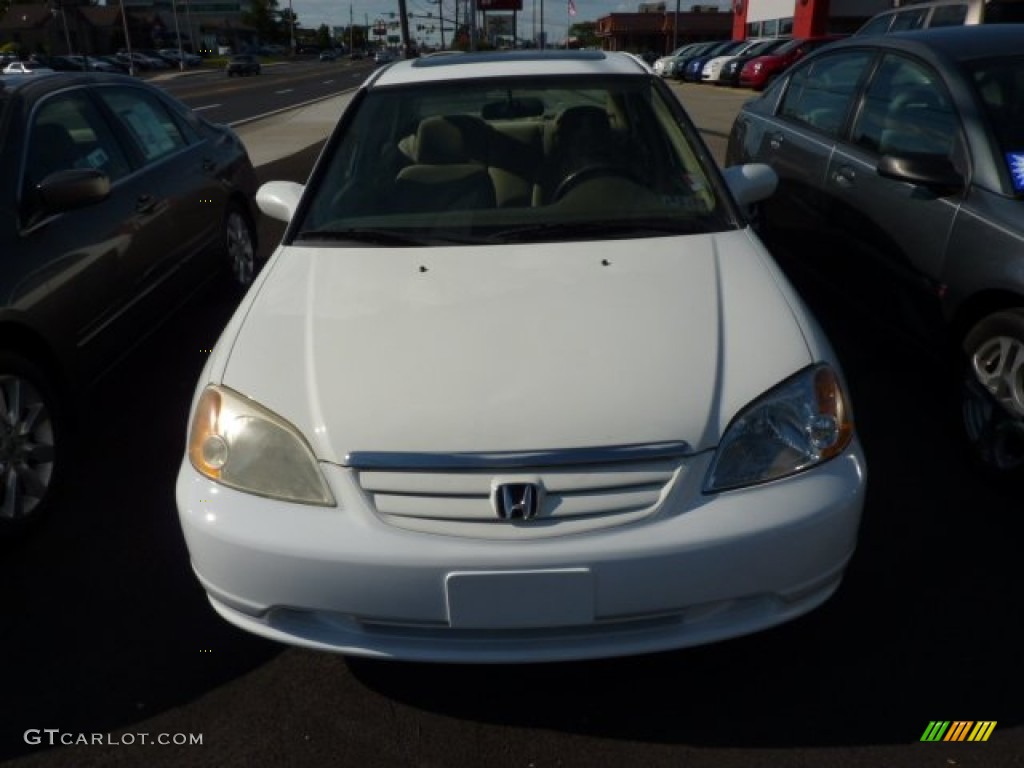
{"points": [[177, 33], [403, 22], [291, 26]]}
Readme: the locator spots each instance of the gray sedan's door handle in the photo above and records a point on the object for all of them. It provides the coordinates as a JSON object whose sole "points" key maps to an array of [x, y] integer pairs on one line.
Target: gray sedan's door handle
{"points": [[145, 204], [844, 176], [775, 140]]}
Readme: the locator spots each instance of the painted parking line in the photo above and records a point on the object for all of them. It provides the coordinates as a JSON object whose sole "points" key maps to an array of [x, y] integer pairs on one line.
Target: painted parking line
{"points": [[205, 106], [286, 90]]}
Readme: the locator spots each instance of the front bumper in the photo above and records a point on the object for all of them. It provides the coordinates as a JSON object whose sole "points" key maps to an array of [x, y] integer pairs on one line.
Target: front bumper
{"points": [[703, 568]]}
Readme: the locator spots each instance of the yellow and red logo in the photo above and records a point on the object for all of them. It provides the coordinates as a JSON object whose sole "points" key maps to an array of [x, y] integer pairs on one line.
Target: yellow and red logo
{"points": [[958, 730]]}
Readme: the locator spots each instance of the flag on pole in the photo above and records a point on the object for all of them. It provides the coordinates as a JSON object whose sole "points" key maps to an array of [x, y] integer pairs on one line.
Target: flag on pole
{"points": [[572, 8]]}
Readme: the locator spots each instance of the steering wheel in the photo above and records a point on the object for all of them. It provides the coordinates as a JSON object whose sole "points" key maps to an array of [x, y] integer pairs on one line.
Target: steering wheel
{"points": [[590, 172]]}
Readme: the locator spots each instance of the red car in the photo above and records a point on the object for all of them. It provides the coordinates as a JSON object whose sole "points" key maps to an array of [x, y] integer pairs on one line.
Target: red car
{"points": [[760, 71]]}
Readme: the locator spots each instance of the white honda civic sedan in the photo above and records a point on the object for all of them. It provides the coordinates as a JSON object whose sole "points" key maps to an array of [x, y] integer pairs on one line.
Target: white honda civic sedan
{"points": [[519, 384]]}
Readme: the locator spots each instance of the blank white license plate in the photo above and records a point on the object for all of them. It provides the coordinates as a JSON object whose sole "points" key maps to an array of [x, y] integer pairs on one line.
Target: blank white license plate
{"points": [[520, 599]]}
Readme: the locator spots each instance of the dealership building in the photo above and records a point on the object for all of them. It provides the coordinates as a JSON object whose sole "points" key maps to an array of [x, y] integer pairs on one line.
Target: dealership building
{"points": [[801, 18], [658, 27]]}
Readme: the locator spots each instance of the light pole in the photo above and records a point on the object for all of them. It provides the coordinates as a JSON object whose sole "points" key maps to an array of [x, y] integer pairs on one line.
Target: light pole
{"points": [[177, 32], [127, 41], [59, 6], [291, 26], [191, 31]]}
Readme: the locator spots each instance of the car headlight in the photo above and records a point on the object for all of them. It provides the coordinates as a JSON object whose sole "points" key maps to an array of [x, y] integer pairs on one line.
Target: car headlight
{"points": [[802, 422], [241, 444]]}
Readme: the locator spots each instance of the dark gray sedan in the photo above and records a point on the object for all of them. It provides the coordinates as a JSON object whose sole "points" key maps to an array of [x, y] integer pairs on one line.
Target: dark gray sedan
{"points": [[901, 161], [116, 203]]}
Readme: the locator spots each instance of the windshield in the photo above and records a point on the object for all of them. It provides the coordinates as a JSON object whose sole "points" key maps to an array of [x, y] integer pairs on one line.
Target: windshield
{"points": [[528, 160], [1000, 84]]}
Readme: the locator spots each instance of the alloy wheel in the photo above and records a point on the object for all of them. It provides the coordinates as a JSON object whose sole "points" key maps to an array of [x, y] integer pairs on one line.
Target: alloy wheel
{"points": [[993, 402], [27, 448], [241, 250]]}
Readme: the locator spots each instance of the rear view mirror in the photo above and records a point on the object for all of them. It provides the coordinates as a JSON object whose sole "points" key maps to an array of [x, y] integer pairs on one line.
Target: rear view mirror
{"points": [[512, 108]]}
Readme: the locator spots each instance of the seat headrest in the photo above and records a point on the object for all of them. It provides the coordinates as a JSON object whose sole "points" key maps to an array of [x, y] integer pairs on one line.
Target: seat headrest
{"points": [[574, 121], [450, 139]]}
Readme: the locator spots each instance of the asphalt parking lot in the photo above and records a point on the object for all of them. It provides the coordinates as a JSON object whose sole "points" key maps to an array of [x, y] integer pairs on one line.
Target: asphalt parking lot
{"points": [[104, 628]]}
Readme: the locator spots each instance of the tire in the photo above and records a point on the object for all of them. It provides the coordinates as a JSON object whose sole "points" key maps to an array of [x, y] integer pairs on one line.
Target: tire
{"points": [[30, 436], [239, 247], [992, 393]]}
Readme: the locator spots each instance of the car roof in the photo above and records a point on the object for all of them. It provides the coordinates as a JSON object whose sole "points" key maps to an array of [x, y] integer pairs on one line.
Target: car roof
{"points": [[54, 80], [507, 64], [957, 43]]}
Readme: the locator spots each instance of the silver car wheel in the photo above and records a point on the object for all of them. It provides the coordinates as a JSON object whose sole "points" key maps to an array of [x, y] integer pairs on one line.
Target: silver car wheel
{"points": [[993, 397], [241, 247], [27, 448]]}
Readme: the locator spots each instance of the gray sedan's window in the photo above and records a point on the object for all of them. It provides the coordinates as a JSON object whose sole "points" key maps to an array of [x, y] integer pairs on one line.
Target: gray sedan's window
{"points": [[905, 20], [155, 131], [948, 16], [906, 111], [67, 132], [820, 95], [1000, 84]]}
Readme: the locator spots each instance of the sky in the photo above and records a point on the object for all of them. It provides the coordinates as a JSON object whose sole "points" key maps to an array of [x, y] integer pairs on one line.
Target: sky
{"points": [[312, 13]]}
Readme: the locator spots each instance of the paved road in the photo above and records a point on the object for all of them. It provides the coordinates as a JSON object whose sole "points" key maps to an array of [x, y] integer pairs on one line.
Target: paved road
{"points": [[104, 630]]}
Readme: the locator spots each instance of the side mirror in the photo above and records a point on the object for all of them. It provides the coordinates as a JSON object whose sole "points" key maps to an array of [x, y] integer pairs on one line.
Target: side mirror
{"points": [[751, 183], [935, 172], [279, 199], [75, 188]]}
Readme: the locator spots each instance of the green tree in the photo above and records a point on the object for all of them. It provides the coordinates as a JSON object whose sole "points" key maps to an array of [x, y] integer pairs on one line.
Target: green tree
{"points": [[586, 34], [263, 17], [323, 37]]}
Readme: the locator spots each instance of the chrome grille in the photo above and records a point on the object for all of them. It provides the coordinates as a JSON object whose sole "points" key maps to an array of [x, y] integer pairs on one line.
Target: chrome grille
{"points": [[617, 486]]}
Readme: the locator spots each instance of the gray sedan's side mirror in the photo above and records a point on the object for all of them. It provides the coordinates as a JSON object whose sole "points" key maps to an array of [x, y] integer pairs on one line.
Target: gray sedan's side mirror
{"points": [[751, 182], [279, 199], [76, 188], [934, 172]]}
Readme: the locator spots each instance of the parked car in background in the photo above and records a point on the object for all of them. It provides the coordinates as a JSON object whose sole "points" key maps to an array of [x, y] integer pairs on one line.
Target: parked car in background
{"points": [[665, 66], [647, 477], [901, 159], [759, 71], [944, 13], [152, 58], [119, 65], [383, 57], [729, 71], [141, 61], [329, 55], [25, 68], [176, 57], [242, 64], [116, 203], [694, 68]]}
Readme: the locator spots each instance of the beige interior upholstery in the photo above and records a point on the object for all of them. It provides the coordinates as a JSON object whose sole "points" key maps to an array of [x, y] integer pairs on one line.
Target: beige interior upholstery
{"points": [[444, 175]]}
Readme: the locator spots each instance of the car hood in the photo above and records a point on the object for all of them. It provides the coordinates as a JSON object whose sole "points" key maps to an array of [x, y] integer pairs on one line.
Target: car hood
{"points": [[514, 348]]}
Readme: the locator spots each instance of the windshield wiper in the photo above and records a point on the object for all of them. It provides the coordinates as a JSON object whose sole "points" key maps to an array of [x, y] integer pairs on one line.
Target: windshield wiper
{"points": [[589, 230], [376, 236], [386, 237]]}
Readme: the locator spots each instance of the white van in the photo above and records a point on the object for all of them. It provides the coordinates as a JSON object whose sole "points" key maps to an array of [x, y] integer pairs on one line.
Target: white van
{"points": [[944, 13]]}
